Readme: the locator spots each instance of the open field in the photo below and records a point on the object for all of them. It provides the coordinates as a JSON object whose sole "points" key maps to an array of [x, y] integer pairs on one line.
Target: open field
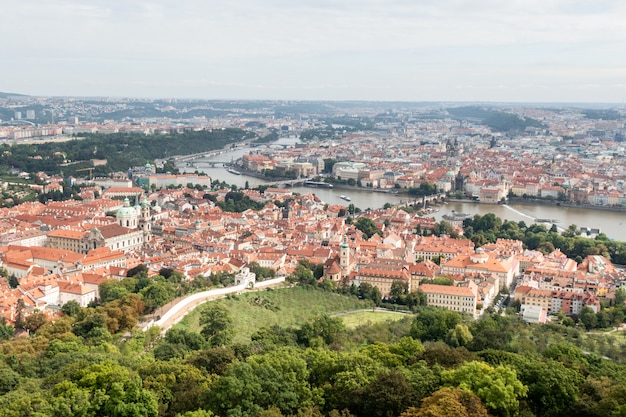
{"points": [[360, 318], [286, 307]]}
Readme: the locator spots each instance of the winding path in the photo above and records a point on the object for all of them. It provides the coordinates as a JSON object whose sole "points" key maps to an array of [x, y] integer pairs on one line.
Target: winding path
{"points": [[187, 304]]}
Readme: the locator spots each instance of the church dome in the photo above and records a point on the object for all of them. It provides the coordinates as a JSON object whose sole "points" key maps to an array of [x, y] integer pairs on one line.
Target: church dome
{"points": [[126, 210], [479, 256], [127, 216]]}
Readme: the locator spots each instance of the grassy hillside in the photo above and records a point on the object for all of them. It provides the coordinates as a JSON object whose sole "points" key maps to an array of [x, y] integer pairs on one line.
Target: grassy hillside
{"points": [[367, 318], [286, 307]]}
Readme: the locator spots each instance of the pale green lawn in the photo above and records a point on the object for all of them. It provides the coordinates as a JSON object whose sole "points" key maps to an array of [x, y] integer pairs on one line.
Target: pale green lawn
{"points": [[359, 318], [287, 307]]}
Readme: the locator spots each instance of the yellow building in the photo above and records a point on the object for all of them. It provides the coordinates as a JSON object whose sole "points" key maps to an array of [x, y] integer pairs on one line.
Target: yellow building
{"points": [[462, 299], [382, 278]]}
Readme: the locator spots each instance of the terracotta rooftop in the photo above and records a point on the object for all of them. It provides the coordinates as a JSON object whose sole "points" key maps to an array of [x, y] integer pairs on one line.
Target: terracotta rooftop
{"points": [[446, 290]]}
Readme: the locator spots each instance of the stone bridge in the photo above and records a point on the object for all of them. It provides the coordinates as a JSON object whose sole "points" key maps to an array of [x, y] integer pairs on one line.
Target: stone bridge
{"points": [[420, 202]]}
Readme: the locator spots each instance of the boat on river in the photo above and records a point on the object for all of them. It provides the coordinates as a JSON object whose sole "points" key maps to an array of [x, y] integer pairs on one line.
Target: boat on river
{"points": [[317, 184], [233, 171], [456, 216], [345, 197]]}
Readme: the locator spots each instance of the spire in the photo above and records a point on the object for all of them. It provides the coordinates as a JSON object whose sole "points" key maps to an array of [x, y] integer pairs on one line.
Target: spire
{"points": [[344, 257]]}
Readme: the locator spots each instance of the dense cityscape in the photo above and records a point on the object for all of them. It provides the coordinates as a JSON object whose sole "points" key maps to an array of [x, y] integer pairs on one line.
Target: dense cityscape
{"points": [[106, 250]]}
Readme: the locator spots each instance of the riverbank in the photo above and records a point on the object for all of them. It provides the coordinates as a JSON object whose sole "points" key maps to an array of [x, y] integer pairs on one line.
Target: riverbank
{"points": [[611, 223], [609, 220], [536, 202], [399, 193], [539, 202]]}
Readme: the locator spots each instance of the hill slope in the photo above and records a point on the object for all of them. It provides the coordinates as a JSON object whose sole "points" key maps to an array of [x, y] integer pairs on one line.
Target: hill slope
{"points": [[5, 95], [286, 307]]}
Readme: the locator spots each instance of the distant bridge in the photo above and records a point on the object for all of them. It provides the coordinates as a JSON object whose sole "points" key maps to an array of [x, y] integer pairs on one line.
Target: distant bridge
{"points": [[185, 158], [287, 183], [17, 122], [420, 202], [211, 164]]}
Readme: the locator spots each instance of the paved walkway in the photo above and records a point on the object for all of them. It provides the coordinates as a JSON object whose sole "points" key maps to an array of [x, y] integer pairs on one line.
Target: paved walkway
{"points": [[188, 304]]}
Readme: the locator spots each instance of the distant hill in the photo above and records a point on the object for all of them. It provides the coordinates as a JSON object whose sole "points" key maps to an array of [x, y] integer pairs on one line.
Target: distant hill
{"points": [[5, 95], [497, 120]]}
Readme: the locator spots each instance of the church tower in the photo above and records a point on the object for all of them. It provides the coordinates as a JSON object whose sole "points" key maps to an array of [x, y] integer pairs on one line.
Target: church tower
{"points": [[145, 223], [345, 263]]}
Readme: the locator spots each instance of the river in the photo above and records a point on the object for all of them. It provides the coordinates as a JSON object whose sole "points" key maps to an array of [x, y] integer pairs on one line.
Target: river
{"points": [[613, 224]]}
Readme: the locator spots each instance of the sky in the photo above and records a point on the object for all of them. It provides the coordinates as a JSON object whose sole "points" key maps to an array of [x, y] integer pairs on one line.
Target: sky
{"points": [[381, 50]]}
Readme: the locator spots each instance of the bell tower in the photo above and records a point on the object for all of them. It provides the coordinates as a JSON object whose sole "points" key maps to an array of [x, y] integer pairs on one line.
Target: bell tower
{"points": [[345, 263], [145, 223]]}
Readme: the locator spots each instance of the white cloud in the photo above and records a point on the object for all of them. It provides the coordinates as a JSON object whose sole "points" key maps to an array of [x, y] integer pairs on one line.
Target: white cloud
{"points": [[370, 48]]}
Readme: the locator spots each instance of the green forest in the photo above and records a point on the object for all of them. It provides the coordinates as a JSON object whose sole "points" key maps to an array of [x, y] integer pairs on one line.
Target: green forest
{"points": [[121, 150], [285, 352]]}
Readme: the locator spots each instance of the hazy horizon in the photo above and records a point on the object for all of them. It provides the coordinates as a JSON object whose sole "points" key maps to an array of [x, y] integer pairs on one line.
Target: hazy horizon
{"points": [[543, 52], [424, 103]]}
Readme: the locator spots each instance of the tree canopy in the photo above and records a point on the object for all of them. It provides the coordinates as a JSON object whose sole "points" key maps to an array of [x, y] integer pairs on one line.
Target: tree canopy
{"points": [[95, 361]]}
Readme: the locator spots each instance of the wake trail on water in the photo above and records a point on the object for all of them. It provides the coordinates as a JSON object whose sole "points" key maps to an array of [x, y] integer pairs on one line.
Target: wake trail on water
{"points": [[560, 229], [519, 212]]}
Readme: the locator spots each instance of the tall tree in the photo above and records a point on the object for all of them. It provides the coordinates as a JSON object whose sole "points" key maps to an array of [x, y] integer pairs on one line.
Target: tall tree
{"points": [[588, 317], [434, 323], [398, 290], [387, 395], [71, 308], [6, 331], [217, 325], [178, 387], [105, 389], [278, 379], [13, 281], [323, 328], [459, 336], [449, 402], [367, 226], [34, 321], [112, 289], [498, 388]]}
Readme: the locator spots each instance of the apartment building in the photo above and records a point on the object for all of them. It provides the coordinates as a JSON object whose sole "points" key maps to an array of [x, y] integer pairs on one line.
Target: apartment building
{"points": [[382, 279], [482, 263], [554, 301], [462, 299]]}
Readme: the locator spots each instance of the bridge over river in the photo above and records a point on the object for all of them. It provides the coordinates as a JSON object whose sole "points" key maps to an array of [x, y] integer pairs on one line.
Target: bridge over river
{"points": [[288, 183], [211, 164], [420, 202], [185, 158]]}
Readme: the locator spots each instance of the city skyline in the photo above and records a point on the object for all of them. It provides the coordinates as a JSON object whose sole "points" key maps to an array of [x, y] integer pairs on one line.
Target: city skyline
{"points": [[453, 50]]}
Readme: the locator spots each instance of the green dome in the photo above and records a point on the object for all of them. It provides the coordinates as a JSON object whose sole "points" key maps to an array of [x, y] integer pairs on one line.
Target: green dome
{"points": [[126, 210]]}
